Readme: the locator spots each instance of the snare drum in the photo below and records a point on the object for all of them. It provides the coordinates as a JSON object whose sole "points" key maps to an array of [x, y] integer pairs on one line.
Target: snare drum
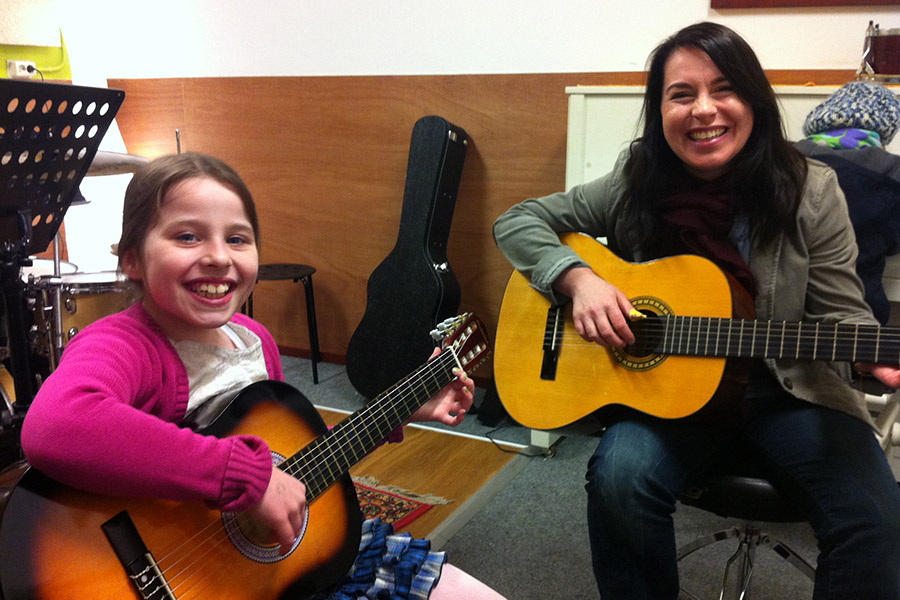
{"points": [[42, 267], [87, 297], [82, 299]]}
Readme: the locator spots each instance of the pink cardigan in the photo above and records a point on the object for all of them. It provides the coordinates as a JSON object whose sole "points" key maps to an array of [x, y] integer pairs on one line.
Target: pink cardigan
{"points": [[116, 400]]}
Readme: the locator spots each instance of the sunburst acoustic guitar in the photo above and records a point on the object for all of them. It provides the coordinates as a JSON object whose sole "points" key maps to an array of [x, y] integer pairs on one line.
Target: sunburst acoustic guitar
{"points": [[60, 543], [697, 321]]}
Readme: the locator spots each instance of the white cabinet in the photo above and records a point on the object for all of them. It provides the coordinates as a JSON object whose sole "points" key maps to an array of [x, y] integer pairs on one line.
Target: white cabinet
{"points": [[603, 119]]}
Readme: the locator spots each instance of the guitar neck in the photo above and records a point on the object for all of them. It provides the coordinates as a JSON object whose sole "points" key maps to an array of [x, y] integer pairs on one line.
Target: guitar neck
{"points": [[745, 338], [325, 460]]}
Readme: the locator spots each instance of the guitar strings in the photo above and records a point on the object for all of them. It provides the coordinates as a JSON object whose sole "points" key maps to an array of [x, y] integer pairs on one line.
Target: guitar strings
{"points": [[196, 559], [683, 335], [377, 412], [381, 415], [202, 548], [843, 337], [843, 345]]}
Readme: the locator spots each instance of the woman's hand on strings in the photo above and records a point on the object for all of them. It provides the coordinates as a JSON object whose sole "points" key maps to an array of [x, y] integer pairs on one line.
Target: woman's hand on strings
{"points": [[600, 310]]}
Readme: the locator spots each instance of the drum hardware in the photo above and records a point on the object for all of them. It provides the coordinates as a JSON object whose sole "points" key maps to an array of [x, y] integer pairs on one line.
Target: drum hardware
{"points": [[115, 163], [56, 331], [13, 307], [71, 307], [52, 133], [64, 305]]}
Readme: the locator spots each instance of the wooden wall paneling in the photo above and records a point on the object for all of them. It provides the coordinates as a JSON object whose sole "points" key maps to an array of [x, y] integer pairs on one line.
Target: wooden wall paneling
{"points": [[326, 160], [322, 174], [153, 110]]}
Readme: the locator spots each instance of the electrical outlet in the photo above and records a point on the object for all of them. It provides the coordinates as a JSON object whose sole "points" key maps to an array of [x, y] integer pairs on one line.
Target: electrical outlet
{"points": [[19, 69]]}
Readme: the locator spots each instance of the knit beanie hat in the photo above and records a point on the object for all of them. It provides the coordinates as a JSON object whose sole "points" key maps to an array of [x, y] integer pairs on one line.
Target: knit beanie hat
{"points": [[857, 105]]}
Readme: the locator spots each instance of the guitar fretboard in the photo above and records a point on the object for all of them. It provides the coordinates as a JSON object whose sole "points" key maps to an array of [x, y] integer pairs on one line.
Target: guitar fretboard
{"points": [[745, 338], [325, 460]]}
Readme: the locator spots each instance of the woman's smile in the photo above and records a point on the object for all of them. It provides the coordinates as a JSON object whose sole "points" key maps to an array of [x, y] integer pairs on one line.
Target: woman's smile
{"points": [[705, 122]]}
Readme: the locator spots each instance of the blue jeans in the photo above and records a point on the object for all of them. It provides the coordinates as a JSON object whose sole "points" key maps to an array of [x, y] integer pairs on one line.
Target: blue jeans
{"points": [[827, 461]]}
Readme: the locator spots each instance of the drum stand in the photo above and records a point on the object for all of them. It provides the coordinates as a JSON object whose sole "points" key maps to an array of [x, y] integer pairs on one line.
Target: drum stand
{"points": [[50, 288], [13, 298], [49, 134]]}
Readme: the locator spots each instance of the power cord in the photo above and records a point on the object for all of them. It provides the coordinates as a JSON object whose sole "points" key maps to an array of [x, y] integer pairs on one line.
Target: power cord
{"points": [[503, 424], [33, 69]]}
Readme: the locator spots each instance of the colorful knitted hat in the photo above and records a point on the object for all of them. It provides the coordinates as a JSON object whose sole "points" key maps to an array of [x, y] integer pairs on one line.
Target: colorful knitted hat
{"points": [[859, 105]]}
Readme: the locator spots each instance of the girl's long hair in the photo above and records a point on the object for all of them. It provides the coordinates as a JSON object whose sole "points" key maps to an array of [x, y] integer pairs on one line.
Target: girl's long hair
{"points": [[147, 190]]}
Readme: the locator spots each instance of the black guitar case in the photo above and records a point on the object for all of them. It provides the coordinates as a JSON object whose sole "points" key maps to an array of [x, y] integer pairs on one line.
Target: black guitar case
{"points": [[414, 287]]}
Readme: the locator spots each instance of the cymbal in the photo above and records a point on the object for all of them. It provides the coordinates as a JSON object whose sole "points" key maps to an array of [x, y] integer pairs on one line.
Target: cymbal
{"points": [[114, 163]]}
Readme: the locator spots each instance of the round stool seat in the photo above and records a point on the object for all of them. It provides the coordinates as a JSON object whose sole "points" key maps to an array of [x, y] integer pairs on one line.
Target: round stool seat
{"points": [[743, 497], [740, 487], [280, 271]]}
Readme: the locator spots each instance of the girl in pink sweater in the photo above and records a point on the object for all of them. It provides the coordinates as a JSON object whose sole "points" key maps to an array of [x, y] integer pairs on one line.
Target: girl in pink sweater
{"points": [[111, 419]]}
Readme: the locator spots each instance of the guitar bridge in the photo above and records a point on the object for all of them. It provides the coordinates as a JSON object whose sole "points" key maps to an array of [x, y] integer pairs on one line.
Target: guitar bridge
{"points": [[136, 558], [552, 339]]}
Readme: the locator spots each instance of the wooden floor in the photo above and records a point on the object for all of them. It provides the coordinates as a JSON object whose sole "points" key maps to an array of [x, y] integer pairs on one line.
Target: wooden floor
{"points": [[454, 467]]}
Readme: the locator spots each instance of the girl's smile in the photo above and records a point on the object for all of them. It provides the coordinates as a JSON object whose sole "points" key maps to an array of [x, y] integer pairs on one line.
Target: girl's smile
{"points": [[199, 260]]}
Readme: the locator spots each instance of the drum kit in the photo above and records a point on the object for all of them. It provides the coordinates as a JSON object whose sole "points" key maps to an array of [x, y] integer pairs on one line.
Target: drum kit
{"points": [[49, 141], [63, 301], [59, 300]]}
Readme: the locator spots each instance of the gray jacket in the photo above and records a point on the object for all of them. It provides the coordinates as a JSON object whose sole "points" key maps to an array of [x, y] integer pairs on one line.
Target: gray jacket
{"points": [[806, 274]]}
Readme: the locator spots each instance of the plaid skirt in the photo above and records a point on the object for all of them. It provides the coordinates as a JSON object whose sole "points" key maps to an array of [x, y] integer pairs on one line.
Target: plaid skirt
{"points": [[388, 566]]}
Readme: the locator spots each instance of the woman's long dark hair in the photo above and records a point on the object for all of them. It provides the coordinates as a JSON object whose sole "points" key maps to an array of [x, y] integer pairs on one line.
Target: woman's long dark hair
{"points": [[768, 174]]}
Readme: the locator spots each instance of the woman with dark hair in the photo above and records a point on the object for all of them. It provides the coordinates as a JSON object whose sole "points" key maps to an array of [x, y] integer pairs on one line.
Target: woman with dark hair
{"points": [[713, 175], [768, 172]]}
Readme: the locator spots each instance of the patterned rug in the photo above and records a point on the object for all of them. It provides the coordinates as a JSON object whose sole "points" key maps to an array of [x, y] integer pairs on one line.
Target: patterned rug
{"points": [[392, 504]]}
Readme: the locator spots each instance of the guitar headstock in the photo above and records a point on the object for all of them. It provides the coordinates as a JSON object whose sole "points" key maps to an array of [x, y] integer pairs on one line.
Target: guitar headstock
{"points": [[467, 336]]}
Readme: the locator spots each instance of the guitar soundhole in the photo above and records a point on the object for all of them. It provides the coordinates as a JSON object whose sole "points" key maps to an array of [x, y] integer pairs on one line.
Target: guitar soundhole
{"points": [[648, 336], [251, 538], [644, 353]]}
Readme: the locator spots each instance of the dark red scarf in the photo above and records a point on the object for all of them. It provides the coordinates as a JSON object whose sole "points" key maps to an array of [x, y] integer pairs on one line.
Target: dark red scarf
{"points": [[697, 221]]}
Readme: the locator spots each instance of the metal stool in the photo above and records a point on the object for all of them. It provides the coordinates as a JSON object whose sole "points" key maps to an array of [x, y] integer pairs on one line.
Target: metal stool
{"points": [[742, 491], [295, 272]]}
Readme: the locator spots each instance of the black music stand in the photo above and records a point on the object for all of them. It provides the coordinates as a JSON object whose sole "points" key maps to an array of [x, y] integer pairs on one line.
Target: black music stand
{"points": [[49, 134]]}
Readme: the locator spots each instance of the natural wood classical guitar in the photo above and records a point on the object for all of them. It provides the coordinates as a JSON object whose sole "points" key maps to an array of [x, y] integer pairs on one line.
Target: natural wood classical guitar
{"points": [[60, 543], [549, 378]]}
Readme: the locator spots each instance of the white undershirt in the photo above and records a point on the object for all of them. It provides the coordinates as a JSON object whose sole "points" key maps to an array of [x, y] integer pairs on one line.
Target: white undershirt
{"points": [[213, 371]]}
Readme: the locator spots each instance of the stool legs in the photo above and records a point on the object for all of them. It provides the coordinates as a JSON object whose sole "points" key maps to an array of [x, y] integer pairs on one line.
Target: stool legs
{"points": [[736, 585], [311, 323]]}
